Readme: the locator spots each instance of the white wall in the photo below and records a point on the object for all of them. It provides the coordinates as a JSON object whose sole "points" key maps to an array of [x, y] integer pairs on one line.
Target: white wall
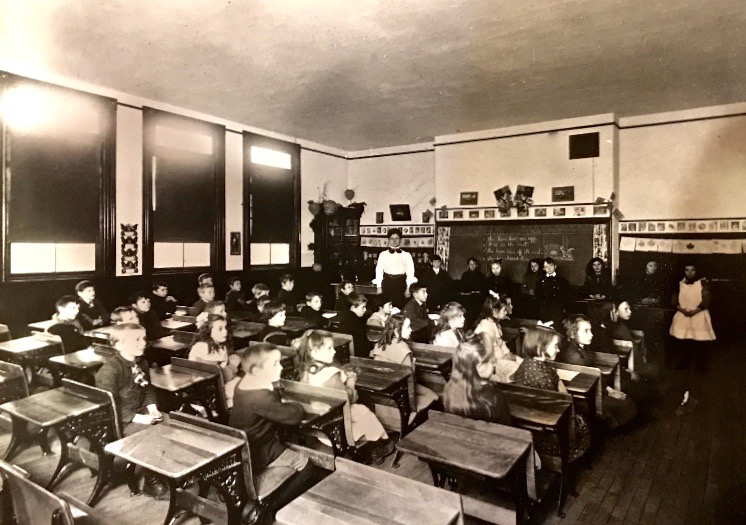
{"points": [[538, 159], [683, 170], [405, 178], [315, 170]]}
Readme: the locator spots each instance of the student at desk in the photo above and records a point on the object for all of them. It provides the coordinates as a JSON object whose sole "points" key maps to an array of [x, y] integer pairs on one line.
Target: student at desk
{"points": [[439, 284], [148, 318], [259, 291], [352, 322], [161, 303], [619, 408], [206, 293], [287, 295], [489, 331], [92, 313], [449, 330], [213, 347], [235, 300], [343, 300], [259, 411], [124, 315], [312, 309], [274, 315], [469, 393], [416, 311], [540, 345], [66, 325]]}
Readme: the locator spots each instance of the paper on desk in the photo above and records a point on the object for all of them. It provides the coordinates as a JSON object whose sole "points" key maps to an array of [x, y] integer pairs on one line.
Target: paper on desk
{"points": [[566, 375]]}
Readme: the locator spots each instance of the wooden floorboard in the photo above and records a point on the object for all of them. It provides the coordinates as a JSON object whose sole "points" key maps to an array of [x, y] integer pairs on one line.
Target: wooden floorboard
{"points": [[666, 469]]}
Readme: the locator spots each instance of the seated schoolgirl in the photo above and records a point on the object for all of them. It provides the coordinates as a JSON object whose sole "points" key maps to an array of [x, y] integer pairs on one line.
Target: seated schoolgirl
{"points": [[316, 366], [469, 393], [617, 328], [489, 331], [214, 307], [618, 407], [540, 345], [382, 308], [393, 348], [274, 315], [449, 329], [213, 347]]}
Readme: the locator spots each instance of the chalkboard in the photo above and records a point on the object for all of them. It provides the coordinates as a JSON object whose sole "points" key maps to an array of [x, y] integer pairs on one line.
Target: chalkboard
{"points": [[571, 244]]}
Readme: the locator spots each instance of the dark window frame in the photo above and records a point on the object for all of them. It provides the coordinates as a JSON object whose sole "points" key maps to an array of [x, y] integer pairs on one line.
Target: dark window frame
{"points": [[105, 242], [151, 118]]}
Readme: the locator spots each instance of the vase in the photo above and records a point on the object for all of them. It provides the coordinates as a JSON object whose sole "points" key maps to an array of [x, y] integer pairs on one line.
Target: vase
{"points": [[314, 208], [330, 207]]}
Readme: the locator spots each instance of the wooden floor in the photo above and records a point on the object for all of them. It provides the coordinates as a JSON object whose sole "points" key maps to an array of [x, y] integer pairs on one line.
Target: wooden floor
{"points": [[667, 469]]}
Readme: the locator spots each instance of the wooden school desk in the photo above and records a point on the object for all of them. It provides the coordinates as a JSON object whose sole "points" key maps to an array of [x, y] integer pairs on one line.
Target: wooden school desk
{"points": [[243, 333], [325, 411], [187, 386], [81, 365], [13, 383], [176, 324], [585, 387], [432, 358], [365, 289], [99, 335], [40, 326], [30, 352], [161, 350], [455, 447], [608, 364], [363, 495], [380, 382], [179, 452], [296, 326]]}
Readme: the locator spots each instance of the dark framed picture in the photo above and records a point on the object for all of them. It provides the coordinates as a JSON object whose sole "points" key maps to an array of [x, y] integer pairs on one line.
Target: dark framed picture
{"points": [[505, 213], [235, 243], [633, 226], [558, 212], [540, 212], [522, 212], [379, 217], [473, 214], [600, 210], [579, 211], [563, 193], [442, 214], [458, 214], [400, 212], [469, 198], [489, 214]]}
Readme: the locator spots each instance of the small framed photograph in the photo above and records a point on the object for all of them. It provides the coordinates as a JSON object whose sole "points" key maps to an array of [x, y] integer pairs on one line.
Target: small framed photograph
{"points": [[579, 211], [405, 230], [235, 243], [702, 226], [505, 213], [563, 194], [384, 229], [712, 226], [600, 210], [734, 226], [641, 226], [691, 226], [724, 226], [558, 212], [379, 217], [670, 227], [400, 212], [680, 226], [473, 214], [743, 226], [469, 198], [660, 227], [489, 214], [378, 230], [623, 227], [632, 227], [522, 212], [540, 212], [458, 214], [442, 214]]}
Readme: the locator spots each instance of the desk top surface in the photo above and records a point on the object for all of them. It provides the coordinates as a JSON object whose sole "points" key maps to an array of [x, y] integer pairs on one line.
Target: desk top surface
{"points": [[28, 344], [84, 359], [542, 407], [169, 343], [295, 324], [582, 383], [50, 408], [476, 446], [316, 406], [605, 362], [40, 326], [378, 378], [174, 378], [424, 356], [174, 449], [171, 324], [341, 499]]}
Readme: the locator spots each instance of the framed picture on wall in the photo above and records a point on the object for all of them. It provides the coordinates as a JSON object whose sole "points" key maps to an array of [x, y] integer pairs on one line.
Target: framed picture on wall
{"points": [[558, 212], [379, 217], [473, 214], [458, 214], [400, 212], [540, 212], [489, 214], [442, 214], [563, 193], [469, 198]]}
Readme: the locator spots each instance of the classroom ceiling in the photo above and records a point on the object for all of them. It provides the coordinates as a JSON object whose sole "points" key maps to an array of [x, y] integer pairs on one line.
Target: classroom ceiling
{"points": [[365, 74]]}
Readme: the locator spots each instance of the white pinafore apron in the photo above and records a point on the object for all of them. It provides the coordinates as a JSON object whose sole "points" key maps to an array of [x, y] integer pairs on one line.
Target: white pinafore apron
{"points": [[699, 326]]}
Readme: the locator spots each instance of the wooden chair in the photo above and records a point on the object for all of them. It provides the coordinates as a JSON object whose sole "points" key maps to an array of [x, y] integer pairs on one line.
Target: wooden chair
{"points": [[4, 333], [33, 504], [249, 487], [213, 399]]}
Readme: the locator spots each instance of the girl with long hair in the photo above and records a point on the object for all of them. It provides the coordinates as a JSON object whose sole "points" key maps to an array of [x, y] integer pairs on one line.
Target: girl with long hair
{"points": [[449, 329], [489, 331]]}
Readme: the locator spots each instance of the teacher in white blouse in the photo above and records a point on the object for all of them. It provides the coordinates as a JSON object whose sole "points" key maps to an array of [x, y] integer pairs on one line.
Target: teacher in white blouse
{"points": [[395, 270]]}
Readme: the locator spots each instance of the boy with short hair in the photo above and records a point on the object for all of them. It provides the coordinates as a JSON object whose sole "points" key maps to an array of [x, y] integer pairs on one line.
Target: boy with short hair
{"points": [[160, 302], [124, 315], [235, 300], [286, 294], [148, 319], [343, 300], [206, 293], [439, 284], [205, 278], [312, 310], [126, 375], [352, 322], [92, 313], [67, 326], [416, 311], [258, 410]]}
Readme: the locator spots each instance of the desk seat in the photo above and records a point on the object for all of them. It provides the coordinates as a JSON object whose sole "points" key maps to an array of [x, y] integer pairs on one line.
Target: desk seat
{"points": [[272, 479]]}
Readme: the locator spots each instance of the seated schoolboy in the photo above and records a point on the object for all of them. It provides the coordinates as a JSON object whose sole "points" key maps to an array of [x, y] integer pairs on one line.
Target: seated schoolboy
{"points": [[343, 300], [316, 366], [160, 302], [92, 313], [214, 347], [206, 293], [273, 314], [235, 299], [286, 295], [127, 376], [352, 322], [259, 290], [66, 325], [416, 311], [469, 393], [124, 315], [259, 411], [312, 310], [148, 319]]}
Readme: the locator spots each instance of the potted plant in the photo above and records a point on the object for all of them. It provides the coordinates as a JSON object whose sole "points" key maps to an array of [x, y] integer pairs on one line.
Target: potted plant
{"points": [[315, 206]]}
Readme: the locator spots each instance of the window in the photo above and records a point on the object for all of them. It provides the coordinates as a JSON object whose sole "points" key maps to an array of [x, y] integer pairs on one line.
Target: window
{"points": [[183, 193], [58, 189], [272, 189]]}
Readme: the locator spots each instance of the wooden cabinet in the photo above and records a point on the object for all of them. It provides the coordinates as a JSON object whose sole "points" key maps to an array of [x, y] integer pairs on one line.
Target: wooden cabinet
{"points": [[337, 242]]}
